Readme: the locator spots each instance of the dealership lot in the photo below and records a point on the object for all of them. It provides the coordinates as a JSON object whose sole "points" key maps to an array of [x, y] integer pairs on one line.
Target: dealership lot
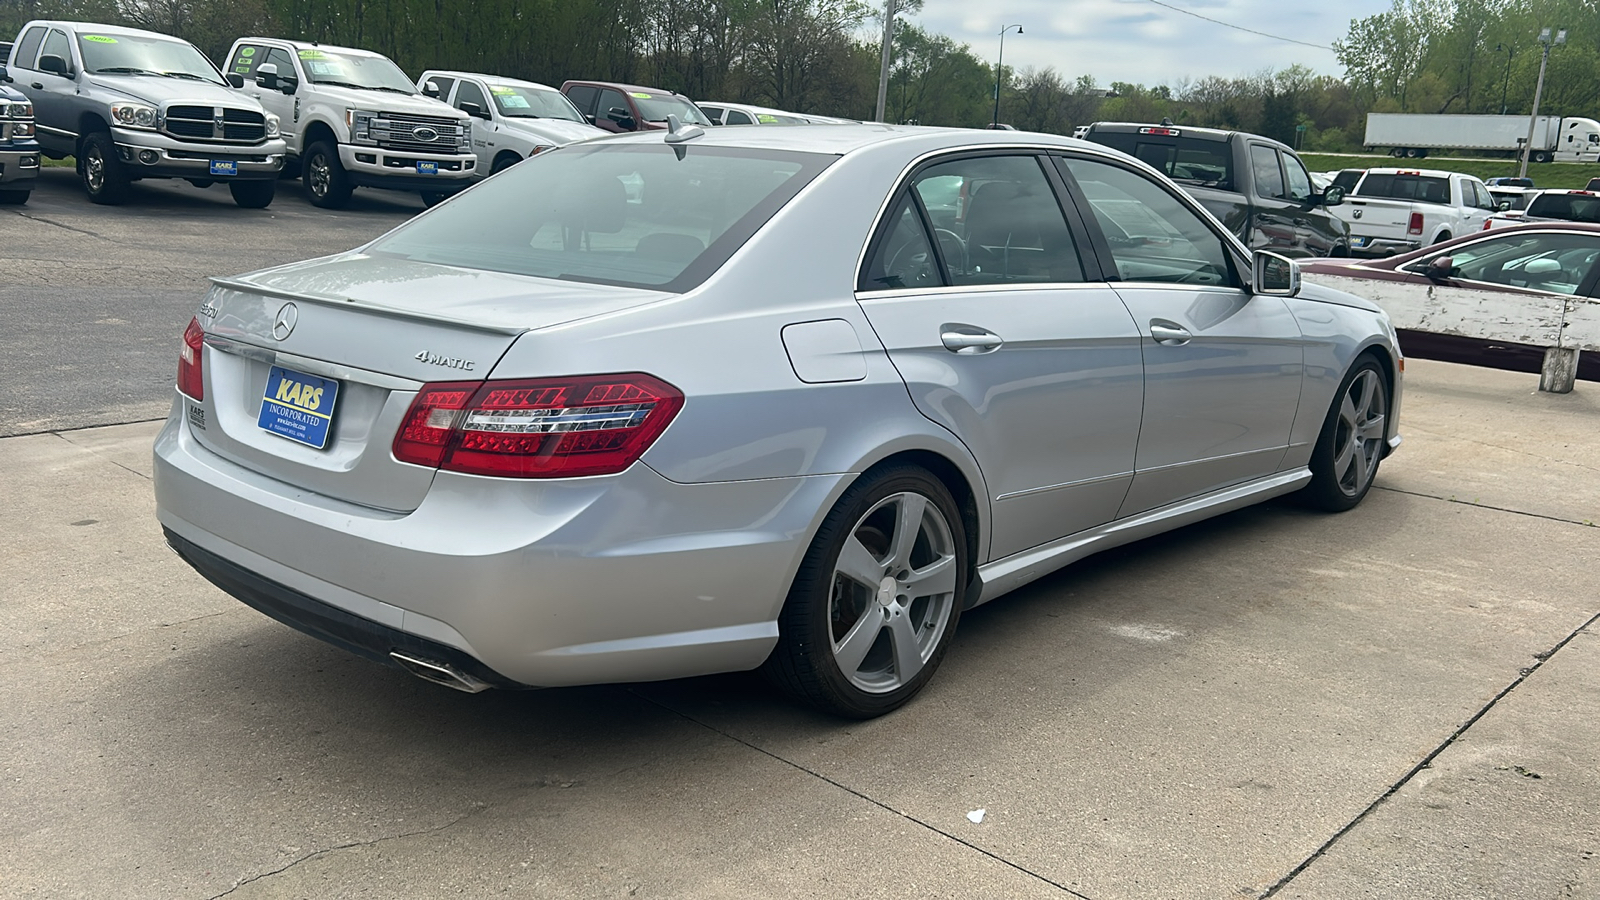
{"points": [[1398, 701]]}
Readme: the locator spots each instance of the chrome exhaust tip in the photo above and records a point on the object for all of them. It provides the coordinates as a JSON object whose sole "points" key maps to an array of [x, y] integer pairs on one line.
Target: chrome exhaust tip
{"points": [[439, 673]]}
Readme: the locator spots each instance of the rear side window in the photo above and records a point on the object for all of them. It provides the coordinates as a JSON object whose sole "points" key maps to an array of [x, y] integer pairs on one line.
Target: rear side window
{"points": [[637, 215], [1571, 207], [1269, 178], [1425, 188], [1203, 163], [998, 221], [443, 84], [737, 117], [1347, 179], [28, 49]]}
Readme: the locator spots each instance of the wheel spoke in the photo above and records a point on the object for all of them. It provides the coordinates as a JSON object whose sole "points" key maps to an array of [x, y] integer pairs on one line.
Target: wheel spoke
{"points": [[1369, 387], [857, 564], [907, 652], [933, 579], [859, 639], [1342, 461], [1347, 411], [1372, 429], [907, 525]]}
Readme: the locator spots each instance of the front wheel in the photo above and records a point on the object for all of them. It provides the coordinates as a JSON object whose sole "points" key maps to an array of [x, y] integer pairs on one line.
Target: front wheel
{"points": [[431, 199], [875, 603], [1353, 439], [104, 178], [327, 184], [253, 194]]}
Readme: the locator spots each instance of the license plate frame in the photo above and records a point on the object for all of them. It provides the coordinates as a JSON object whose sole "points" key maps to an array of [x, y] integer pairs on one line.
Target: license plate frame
{"points": [[298, 406], [226, 167], [425, 167]]}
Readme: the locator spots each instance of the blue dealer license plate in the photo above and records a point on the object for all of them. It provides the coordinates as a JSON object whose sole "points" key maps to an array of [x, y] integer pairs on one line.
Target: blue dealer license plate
{"points": [[224, 167], [298, 406], [427, 168]]}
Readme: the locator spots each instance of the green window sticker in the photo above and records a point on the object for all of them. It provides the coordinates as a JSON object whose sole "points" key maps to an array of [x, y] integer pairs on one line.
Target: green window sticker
{"points": [[498, 89], [247, 51], [313, 54], [639, 95], [765, 119], [99, 39]]}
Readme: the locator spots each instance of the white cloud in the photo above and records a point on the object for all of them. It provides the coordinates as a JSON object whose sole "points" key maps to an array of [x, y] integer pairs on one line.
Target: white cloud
{"points": [[1141, 41]]}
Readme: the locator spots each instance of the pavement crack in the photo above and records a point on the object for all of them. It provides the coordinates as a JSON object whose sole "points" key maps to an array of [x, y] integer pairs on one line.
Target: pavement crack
{"points": [[59, 225], [1505, 509], [875, 802], [1524, 674], [326, 850], [61, 431], [107, 459]]}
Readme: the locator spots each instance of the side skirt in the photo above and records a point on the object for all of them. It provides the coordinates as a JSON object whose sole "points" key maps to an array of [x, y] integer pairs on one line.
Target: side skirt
{"points": [[1003, 575]]}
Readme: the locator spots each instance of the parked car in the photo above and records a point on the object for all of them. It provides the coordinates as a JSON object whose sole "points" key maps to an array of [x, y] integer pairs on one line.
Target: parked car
{"points": [[1508, 181], [131, 104], [744, 114], [629, 107], [779, 414], [1593, 185], [518, 119], [1256, 186], [353, 119], [19, 151], [1479, 271], [1398, 210]]}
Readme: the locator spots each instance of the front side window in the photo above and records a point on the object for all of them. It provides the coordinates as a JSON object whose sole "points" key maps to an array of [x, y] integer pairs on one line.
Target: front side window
{"points": [[1299, 181], [998, 221], [1269, 178], [637, 215], [125, 54], [1152, 235], [471, 93], [355, 70], [613, 106], [58, 45], [738, 117], [1558, 263]]}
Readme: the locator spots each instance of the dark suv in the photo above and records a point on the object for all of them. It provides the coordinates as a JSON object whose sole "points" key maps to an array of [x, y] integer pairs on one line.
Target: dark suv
{"points": [[1256, 186], [629, 107]]}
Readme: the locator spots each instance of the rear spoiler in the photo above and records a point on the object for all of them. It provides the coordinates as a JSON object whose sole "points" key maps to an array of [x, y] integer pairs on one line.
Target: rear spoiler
{"points": [[247, 287]]}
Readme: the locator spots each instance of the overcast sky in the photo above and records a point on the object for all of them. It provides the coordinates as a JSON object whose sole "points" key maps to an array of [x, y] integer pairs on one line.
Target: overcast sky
{"points": [[1144, 42]]}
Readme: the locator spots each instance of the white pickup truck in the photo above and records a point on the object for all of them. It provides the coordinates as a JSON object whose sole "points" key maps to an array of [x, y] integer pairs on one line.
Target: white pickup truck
{"points": [[1398, 210]]}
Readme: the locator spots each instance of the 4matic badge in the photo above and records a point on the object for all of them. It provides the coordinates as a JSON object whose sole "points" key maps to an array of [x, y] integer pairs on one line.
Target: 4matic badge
{"points": [[452, 362]]}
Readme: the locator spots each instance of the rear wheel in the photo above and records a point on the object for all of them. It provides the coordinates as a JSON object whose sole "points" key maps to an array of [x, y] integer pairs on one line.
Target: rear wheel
{"points": [[1443, 236], [14, 197], [875, 603], [326, 182], [1353, 439], [253, 194], [1398, 152], [503, 162], [104, 178], [1543, 156]]}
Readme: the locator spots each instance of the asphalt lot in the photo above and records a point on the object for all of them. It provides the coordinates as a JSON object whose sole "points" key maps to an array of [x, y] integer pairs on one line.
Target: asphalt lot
{"points": [[1397, 702]]}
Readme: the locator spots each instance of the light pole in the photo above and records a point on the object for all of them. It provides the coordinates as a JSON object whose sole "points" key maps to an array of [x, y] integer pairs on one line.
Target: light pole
{"points": [[998, 63], [888, 46], [1538, 92], [1509, 52]]}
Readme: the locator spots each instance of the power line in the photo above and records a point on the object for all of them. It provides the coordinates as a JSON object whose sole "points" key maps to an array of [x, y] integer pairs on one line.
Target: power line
{"points": [[1190, 12]]}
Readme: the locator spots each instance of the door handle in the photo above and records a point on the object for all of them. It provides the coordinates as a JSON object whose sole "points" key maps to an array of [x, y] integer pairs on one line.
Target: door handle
{"points": [[969, 339], [1169, 333], [37, 86]]}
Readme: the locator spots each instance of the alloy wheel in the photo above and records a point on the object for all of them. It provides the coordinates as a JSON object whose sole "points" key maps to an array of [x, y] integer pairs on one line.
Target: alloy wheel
{"points": [[94, 170], [318, 167], [1359, 433]]}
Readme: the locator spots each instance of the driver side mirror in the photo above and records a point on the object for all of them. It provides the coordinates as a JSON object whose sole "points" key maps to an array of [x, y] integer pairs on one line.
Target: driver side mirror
{"points": [[474, 110], [4, 75], [430, 89], [1274, 275], [1333, 195], [1441, 268], [267, 76], [235, 79], [1503, 205], [55, 65], [620, 116]]}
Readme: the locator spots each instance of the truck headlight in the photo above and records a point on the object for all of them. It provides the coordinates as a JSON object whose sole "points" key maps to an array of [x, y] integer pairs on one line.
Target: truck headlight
{"points": [[18, 110], [272, 125], [22, 130], [466, 133], [134, 115], [360, 123]]}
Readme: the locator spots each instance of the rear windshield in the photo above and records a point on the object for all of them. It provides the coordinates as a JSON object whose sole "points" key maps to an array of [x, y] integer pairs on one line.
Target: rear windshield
{"points": [[1571, 207], [630, 214], [1204, 163], [1426, 188]]}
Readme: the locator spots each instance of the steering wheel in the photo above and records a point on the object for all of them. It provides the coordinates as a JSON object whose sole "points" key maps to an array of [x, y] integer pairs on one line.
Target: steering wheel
{"points": [[949, 240], [913, 264]]}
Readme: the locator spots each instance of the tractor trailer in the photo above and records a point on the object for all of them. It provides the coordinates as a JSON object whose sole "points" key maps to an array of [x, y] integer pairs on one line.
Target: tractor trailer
{"points": [[1555, 139]]}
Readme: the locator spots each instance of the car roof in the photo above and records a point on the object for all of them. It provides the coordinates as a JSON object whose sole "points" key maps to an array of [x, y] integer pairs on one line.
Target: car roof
{"points": [[844, 139], [491, 79], [1407, 170], [313, 45], [99, 28], [1193, 131], [1582, 191], [641, 88]]}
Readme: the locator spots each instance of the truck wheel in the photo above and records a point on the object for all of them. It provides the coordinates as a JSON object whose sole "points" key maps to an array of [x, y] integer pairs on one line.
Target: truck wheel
{"points": [[1413, 153], [503, 162], [104, 178], [1398, 152], [1443, 236], [253, 194], [431, 199], [17, 197], [326, 182], [1542, 156]]}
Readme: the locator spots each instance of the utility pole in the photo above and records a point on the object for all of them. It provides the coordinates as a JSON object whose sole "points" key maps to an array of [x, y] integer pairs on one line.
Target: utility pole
{"points": [[999, 64], [1538, 93], [888, 47]]}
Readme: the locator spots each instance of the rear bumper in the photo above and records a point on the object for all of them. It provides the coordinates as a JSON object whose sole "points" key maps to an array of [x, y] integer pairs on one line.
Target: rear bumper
{"points": [[629, 577]]}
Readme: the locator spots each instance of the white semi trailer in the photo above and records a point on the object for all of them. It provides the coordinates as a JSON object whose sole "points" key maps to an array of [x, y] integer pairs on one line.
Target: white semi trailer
{"points": [[1414, 135]]}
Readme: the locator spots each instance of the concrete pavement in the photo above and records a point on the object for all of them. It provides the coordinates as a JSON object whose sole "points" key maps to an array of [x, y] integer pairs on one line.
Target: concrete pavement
{"points": [[1398, 701]]}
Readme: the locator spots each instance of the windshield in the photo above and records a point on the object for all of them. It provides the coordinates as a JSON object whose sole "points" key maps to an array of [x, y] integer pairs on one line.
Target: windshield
{"points": [[375, 73], [517, 102], [656, 108], [131, 54], [629, 214]]}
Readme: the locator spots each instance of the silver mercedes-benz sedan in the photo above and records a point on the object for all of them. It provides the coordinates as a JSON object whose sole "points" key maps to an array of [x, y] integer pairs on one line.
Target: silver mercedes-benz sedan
{"points": [[791, 399]]}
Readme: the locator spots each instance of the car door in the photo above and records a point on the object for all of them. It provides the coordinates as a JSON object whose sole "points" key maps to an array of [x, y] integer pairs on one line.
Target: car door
{"points": [[247, 62], [1222, 368], [1316, 232], [1006, 335], [484, 131], [1273, 226], [53, 95]]}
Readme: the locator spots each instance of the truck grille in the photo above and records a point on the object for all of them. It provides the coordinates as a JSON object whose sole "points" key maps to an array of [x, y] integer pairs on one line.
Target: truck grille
{"points": [[215, 124], [417, 134]]}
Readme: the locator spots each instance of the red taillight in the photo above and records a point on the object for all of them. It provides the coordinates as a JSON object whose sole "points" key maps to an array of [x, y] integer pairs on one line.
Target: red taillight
{"points": [[1416, 224], [191, 379], [1488, 224], [537, 428]]}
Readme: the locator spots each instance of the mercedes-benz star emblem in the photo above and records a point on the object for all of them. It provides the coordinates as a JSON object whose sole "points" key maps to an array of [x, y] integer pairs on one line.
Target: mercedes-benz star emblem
{"points": [[1355, 214], [283, 325], [425, 134]]}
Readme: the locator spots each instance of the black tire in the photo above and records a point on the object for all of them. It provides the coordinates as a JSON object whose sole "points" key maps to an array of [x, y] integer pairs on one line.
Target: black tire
{"points": [[1443, 236], [1542, 156], [104, 177], [431, 199], [327, 184], [829, 614], [1345, 461], [201, 183], [14, 197], [254, 194], [1398, 152], [503, 162]]}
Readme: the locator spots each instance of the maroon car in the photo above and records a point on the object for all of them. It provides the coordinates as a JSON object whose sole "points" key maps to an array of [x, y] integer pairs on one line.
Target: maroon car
{"points": [[1540, 278], [630, 107]]}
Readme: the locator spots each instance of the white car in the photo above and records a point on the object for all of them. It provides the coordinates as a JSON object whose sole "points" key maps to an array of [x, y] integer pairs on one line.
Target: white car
{"points": [[744, 114], [518, 119]]}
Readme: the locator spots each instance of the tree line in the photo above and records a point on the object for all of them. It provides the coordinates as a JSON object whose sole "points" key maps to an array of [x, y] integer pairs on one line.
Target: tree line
{"points": [[822, 56]]}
